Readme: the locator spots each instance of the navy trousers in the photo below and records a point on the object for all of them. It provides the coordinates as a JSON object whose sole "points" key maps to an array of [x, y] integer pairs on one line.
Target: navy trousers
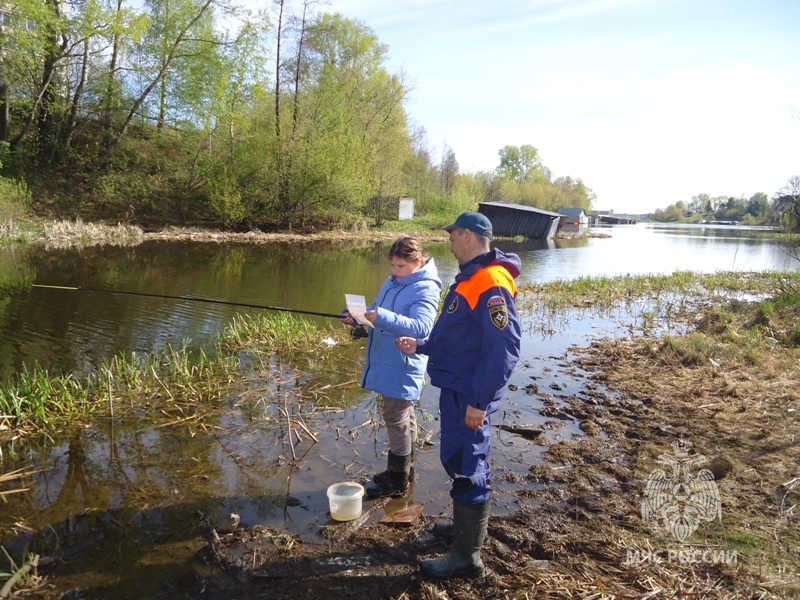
{"points": [[465, 451]]}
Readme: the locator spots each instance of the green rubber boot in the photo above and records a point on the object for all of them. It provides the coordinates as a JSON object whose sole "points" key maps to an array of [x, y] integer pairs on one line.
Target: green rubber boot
{"points": [[470, 522]]}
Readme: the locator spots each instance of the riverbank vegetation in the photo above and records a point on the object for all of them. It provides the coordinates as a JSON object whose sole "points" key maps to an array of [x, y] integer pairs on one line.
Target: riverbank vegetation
{"points": [[605, 292], [782, 210], [39, 404], [203, 113], [36, 401]]}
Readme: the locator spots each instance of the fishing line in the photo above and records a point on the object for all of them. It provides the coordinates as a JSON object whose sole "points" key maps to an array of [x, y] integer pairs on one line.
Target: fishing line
{"points": [[190, 298]]}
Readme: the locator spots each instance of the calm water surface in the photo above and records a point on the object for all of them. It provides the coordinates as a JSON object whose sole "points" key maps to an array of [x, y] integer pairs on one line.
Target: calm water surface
{"points": [[137, 491], [74, 331]]}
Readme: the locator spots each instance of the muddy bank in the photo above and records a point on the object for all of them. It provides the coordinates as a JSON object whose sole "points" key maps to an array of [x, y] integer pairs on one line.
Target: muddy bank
{"points": [[585, 536], [581, 531]]}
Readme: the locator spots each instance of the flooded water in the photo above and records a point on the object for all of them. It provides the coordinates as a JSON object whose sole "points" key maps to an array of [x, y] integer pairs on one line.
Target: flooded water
{"points": [[75, 330], [123, 505]]}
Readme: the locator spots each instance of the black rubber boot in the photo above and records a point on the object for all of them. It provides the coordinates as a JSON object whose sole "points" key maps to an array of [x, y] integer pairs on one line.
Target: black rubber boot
{"points": [[396, 480], [379, 477], [470, 522]]}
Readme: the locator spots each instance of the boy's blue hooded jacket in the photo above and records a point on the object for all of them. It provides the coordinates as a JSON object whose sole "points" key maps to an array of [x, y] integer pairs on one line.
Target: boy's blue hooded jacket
{"points": [[406, 307]]}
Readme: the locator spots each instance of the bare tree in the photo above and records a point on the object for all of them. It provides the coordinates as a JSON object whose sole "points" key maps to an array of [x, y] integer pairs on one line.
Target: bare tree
{"points": [[787, 203], [448, 170]]}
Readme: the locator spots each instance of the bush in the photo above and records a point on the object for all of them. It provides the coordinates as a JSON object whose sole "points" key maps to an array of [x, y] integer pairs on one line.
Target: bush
{"points": [[225, 199], [15, 198]]}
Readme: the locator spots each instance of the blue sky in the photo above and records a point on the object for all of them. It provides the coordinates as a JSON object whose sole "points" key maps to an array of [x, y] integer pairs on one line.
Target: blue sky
{"points": [[648, 101]]}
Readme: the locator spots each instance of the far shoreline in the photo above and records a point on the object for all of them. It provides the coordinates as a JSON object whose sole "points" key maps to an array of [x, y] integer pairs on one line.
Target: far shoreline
{"points": [[80, 233]]}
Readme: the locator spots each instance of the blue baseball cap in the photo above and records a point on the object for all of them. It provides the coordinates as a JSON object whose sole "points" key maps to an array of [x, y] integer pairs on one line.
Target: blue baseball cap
{"points": [[475, 222]]}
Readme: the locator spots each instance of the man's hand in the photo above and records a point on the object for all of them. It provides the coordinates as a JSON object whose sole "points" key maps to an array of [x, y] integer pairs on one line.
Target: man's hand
{"points": [[475, 417], [407, 345]]}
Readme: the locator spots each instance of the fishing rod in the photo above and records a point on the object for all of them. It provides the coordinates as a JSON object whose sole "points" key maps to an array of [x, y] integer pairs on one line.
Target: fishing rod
{"points": [[191, 298]]}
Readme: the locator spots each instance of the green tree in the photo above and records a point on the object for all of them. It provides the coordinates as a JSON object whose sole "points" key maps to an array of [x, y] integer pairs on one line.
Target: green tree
{"points": [[699, 204], [521, 163], [758, 205], [448, 170], [674, 213], [189, 21], [33, 41], [421, 178], [730, 209], [229, 159], [182, 90], [125, 28], [572, 193], [351, 138]]}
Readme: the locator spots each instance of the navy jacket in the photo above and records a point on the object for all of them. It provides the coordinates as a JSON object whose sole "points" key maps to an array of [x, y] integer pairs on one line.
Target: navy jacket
{"points": [[475, 343]]}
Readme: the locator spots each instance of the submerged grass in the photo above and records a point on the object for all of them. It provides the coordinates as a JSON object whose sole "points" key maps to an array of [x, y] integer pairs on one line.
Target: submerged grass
{"points": [[734, 331], [36, 401], [652, 301], [604, 292]]}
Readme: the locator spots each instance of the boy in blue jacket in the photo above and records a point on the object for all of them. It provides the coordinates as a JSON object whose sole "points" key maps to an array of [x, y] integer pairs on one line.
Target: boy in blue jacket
{"points": [[472, 351]]}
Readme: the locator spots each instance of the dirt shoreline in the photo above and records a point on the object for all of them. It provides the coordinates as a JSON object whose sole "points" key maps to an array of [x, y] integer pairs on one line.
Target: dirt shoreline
{"points": [[69, 233], [580, 532], [258, 237]]}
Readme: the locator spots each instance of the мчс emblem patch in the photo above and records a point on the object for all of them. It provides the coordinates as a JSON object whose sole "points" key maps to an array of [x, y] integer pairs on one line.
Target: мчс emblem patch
{"points": [[451, 308], [498, 311]]}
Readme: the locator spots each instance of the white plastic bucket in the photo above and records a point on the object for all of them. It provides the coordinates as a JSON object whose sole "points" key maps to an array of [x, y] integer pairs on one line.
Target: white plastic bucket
{"points": [[344, 500]]}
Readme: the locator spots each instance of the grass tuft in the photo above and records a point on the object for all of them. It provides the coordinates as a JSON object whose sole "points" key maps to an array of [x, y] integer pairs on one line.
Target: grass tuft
{"points": [[35, 400]]}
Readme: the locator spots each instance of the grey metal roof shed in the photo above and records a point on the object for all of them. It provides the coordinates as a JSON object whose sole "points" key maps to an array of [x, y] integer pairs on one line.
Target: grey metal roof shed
{"points": [[574, 216], [510, 220]]}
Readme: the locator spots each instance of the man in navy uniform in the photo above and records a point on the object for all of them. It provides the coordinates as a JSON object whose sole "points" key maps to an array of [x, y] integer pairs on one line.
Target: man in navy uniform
{"points": [[472, 351]]}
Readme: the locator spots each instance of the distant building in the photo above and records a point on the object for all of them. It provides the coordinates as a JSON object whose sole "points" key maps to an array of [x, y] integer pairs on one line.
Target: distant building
{"points": [[511, 220], [392, 208], [405, 209], [617, 220], [608, 217], [574, 216]]}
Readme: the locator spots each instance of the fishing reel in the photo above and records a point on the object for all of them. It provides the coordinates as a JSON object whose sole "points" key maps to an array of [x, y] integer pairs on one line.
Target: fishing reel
{"points": [[359, 331]]}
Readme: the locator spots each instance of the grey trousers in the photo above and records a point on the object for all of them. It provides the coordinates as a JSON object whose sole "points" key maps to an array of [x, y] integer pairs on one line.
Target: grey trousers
{"points": [[401, 425]]}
